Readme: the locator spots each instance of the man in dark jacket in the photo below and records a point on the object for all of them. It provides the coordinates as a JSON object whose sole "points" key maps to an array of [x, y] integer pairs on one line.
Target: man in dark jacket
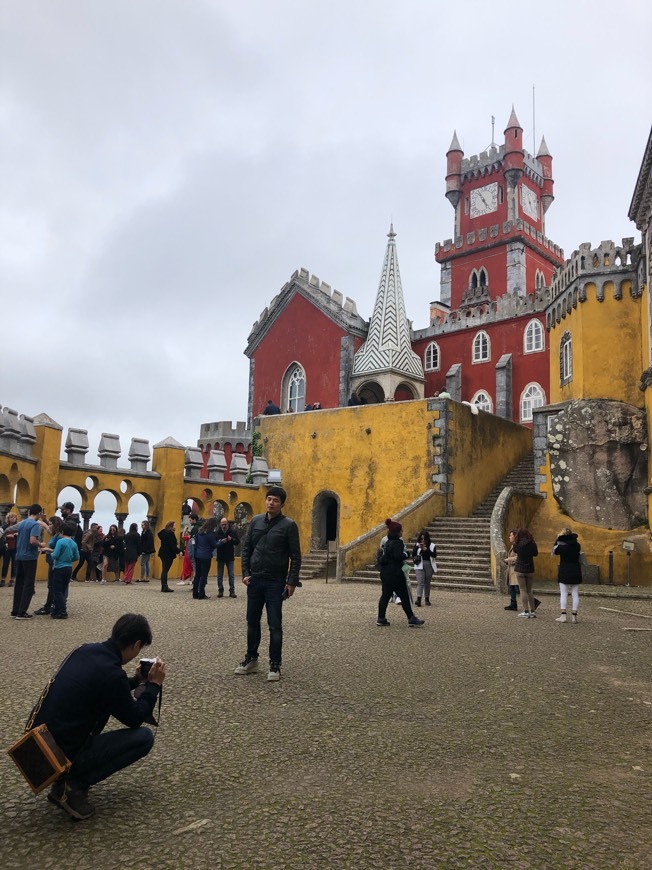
{"points": [[90, 687], [271, 408], [271, 559], [227, 540]]}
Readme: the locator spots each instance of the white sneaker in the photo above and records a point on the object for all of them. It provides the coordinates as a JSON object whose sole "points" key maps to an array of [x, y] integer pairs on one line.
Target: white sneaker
{"points": [[561, 618], [274, 674], [525, 614], [574, 619], [247, 666], [181, 583]]}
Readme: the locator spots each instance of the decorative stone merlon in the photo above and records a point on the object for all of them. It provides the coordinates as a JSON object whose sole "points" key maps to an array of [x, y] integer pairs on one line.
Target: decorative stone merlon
{"points": [[77, 446], [9, 431], [110, 450], [139, 454], [259, 470], [194, 462], [216, 466], [239, 468], [27, 437]]}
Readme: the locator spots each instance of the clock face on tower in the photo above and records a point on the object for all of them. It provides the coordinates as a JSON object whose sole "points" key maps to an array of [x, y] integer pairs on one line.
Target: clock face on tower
{"points": [[484, 200], [530, 202]]}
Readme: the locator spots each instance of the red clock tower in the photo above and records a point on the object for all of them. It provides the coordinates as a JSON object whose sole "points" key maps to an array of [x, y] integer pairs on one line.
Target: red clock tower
{"points": [[500, 199]]}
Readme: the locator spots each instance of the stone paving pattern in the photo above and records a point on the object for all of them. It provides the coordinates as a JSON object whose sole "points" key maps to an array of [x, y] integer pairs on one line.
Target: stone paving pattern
{"points": [[480, 740]]}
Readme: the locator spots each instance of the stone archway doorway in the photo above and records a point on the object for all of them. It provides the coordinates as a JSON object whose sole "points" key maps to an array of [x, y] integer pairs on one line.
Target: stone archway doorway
{"points": [[325, 519]]}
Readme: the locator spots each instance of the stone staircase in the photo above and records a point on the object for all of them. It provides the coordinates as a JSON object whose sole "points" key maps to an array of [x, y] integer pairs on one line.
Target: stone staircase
{"points": [[313, 565], [521, 478], [463, 550]]}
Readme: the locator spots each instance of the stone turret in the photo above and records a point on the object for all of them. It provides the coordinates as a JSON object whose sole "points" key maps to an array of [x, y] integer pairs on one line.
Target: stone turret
{"points": [[545, 159], [454, 157], [514, 156]]}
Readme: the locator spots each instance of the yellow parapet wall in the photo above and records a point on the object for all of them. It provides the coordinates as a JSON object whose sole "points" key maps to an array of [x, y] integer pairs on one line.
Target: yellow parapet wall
{"points": [[41, 477]]}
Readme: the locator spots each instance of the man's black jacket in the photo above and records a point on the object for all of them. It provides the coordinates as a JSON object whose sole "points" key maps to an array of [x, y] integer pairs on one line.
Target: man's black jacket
{"points": [[226, 549], [270, 547], [90, 687]]}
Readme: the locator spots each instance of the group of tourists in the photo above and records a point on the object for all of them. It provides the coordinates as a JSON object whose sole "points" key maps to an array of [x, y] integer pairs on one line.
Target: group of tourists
{"points": [[199, 543], [520, 572]]}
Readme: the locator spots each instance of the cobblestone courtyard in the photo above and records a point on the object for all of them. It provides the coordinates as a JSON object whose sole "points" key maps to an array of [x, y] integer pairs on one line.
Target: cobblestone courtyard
{"points": [[480, 740]]}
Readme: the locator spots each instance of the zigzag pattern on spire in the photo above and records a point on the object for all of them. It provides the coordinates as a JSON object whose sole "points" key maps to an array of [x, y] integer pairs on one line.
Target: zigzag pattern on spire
{"points": [[388, 344]]}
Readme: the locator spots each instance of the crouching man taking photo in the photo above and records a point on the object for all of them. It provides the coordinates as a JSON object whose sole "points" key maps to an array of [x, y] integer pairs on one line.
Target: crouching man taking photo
{"points": [[90, 687]]}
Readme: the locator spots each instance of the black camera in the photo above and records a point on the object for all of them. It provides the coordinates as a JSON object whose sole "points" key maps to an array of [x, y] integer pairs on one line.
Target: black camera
{"points": [[146, 665]]}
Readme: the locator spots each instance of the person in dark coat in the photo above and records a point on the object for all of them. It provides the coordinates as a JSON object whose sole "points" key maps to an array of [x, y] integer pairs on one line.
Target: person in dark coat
{"points": [[271, 408], [205, 543], [392, 577], [227, 540], [569, 573], [132, 551], [147, 550], [113, 549], [167, 552], [89, 688], [525, 549]]}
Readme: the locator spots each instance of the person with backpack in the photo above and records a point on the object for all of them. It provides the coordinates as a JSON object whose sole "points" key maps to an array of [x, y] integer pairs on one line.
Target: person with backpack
{"points": [[392, 577]]}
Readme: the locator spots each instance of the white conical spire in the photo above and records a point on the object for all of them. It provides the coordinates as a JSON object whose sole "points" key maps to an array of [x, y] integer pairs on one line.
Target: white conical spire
{"points": [[388, 345]]}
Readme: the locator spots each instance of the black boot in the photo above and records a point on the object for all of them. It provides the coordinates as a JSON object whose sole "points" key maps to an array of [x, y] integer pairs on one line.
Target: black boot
{"points": [[418, 601]]}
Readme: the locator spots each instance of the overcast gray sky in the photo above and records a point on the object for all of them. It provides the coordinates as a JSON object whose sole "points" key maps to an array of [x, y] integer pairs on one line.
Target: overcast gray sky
{"points": [[167, 165]]}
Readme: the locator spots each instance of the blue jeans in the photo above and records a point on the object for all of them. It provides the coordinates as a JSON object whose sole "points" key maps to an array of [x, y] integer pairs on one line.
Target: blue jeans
{"points": [[266, 594], [108, 753], [230, 567], [145, 570], [60, 583]]}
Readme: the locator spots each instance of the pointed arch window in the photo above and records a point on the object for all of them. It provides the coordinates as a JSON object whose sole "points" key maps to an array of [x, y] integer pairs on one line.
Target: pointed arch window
{"points": [[481, 347], [479, 279], [294, 389], [532, 397], [482, 400], [565, 359], [432, 357], [539, 280], [533, 341]]}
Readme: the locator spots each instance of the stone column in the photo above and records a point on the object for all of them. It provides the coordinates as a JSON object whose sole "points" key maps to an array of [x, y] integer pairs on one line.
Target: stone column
{"points": [[24, 512], [87, 518], [121, 517], [454, 381], [5, 507], [504, 386]]}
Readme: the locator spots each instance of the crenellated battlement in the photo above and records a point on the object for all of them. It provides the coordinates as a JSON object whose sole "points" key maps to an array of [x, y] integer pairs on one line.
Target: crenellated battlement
{"points": [[224, 430], [342, 309], [619, 269], [508, 306], [491, 160], [450, 248]]}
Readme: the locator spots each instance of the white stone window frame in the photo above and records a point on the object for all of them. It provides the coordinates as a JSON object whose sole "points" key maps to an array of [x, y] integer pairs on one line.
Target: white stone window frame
{"points": [[566, 359], [295, 374], [539, 280], [534, 326], [481, 350], [483, 401], [529, 402], [429, 364], [479, 275]]}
